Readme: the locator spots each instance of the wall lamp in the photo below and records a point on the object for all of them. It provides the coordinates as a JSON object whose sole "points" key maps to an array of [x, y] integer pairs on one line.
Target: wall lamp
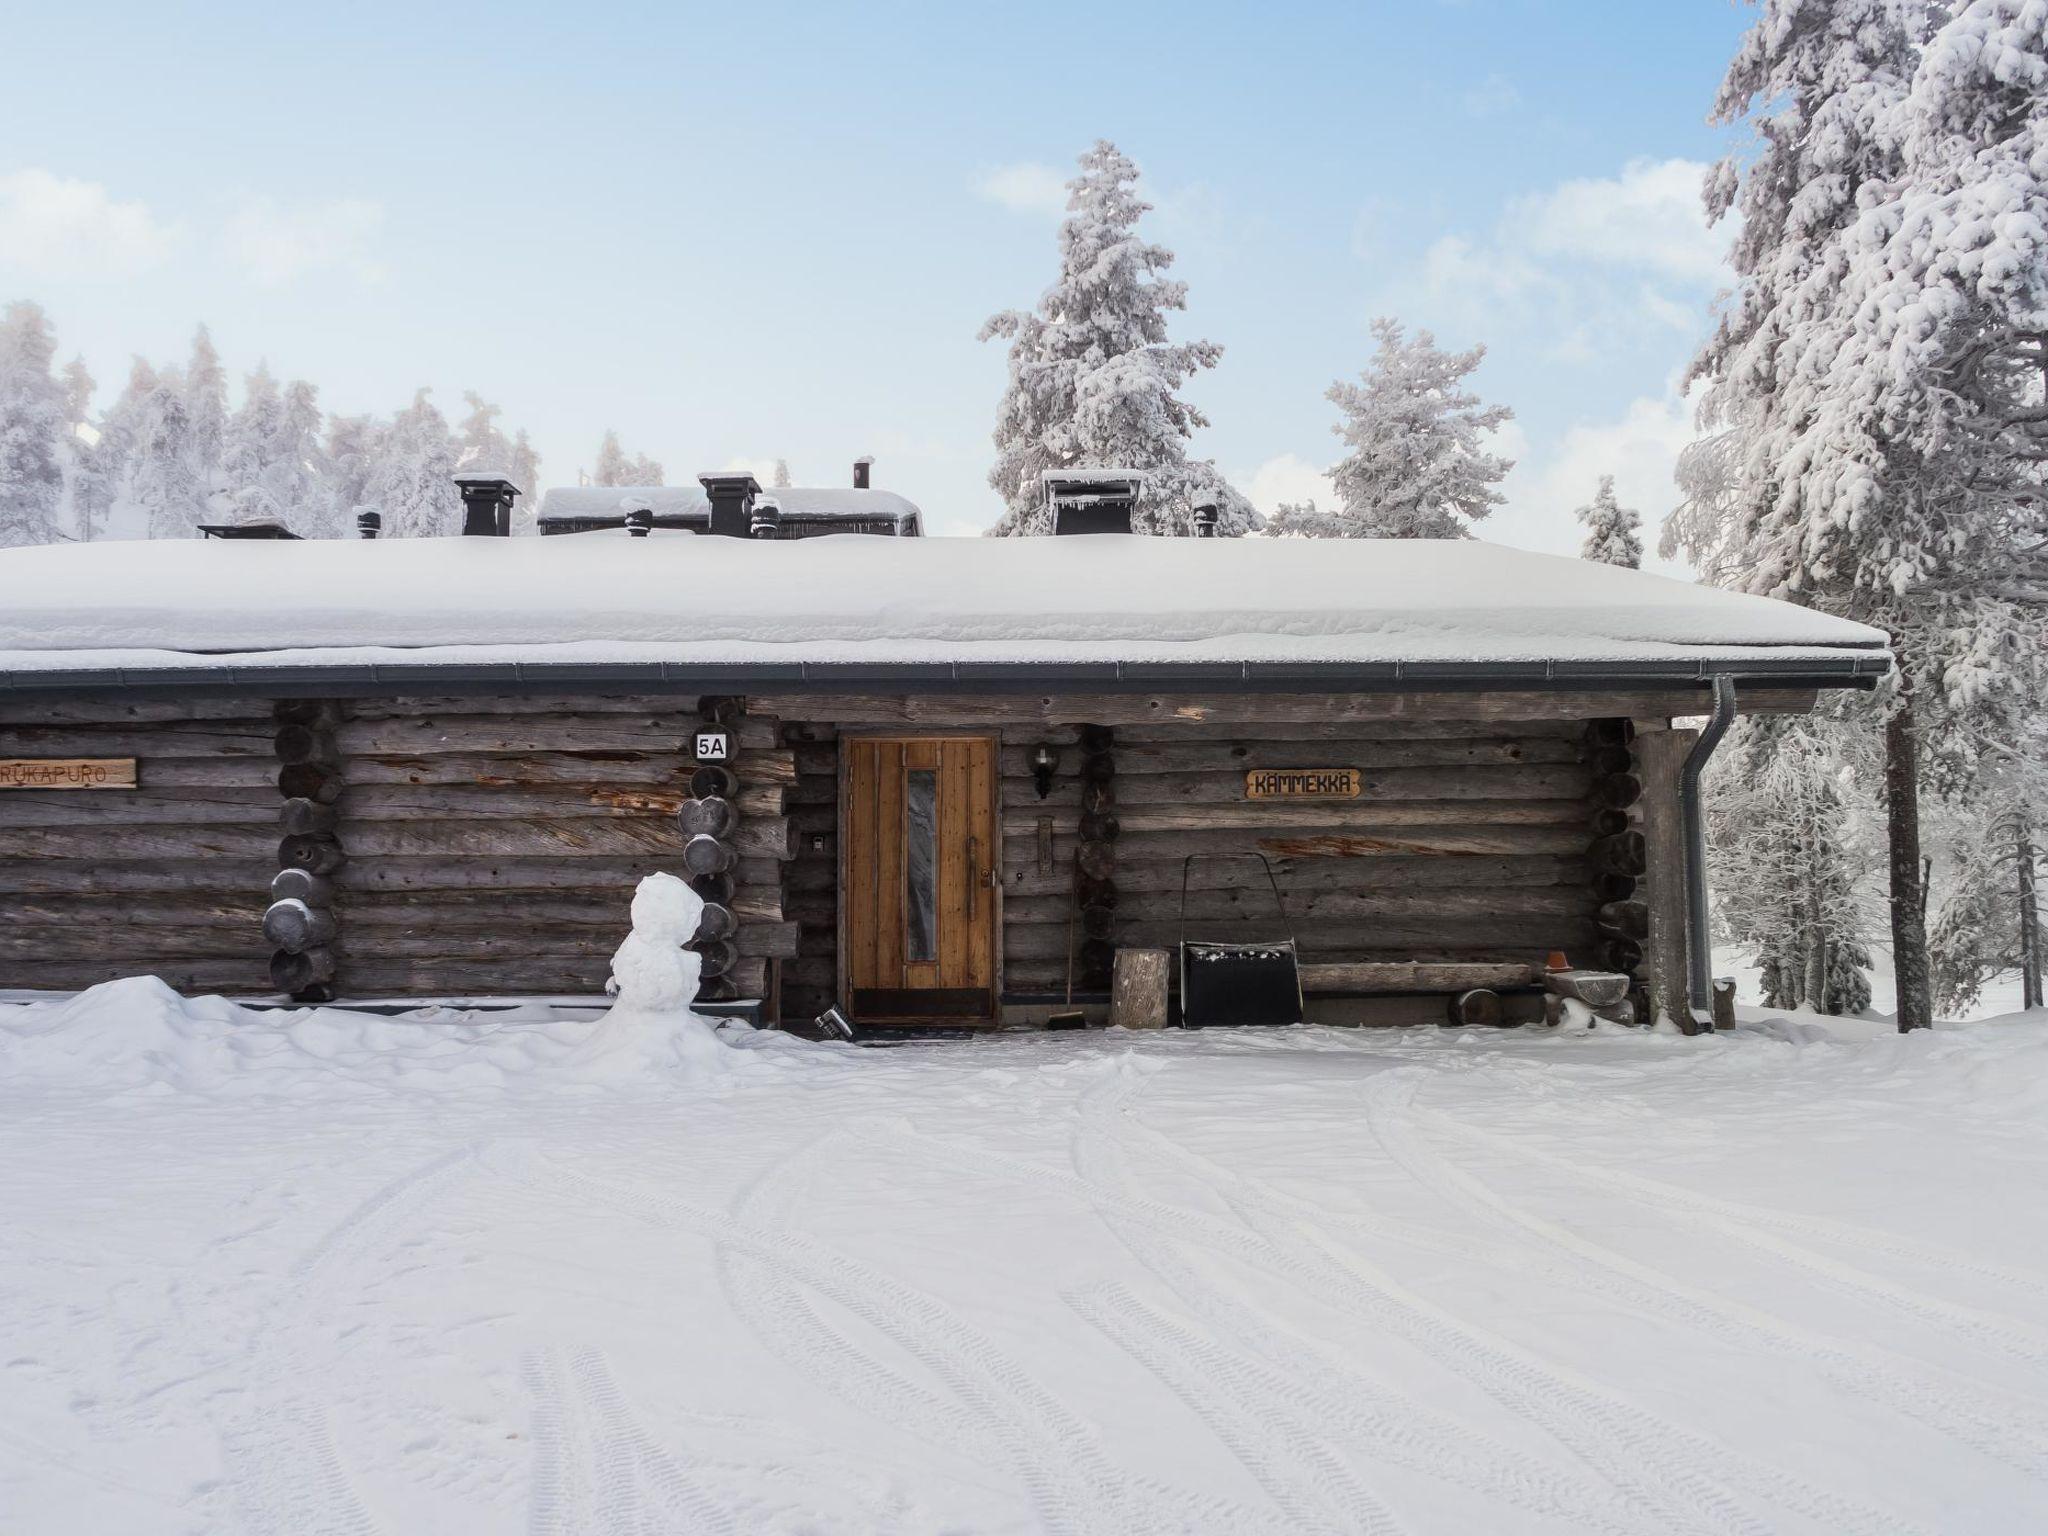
{"points": [[1045, 762]]}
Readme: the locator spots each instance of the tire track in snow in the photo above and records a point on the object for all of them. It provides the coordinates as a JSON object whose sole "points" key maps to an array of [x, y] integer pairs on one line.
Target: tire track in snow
{"points": [[630, 1459], [1287, 1457], [1751, 1226], [1070, 1483], [284, 1468], [1669, 1477], [2014, 1436], [559, 1502], [782, 1317]]}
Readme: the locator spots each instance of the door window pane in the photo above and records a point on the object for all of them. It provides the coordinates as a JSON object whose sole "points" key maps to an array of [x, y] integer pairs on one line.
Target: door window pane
{"points": [[921, 827]]}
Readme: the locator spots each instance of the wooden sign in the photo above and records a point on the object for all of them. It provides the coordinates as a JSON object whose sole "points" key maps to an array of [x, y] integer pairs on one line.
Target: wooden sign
{"points": [[67, 773], [714, 747], [1302, 784]]}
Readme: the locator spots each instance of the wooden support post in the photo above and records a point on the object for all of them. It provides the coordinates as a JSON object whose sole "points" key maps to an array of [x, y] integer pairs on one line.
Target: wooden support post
{"points": [[1661, 754]]}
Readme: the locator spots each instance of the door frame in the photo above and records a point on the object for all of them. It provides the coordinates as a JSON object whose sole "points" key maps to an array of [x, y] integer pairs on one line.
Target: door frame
{"points": [[842, 952]]}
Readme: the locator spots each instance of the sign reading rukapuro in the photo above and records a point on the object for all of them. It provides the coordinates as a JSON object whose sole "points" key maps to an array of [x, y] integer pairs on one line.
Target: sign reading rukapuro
{"points": [[1302, 784], [67, 773]]}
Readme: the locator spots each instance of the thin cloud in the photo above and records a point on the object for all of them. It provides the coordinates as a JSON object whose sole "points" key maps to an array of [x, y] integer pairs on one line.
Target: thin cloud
{"points": [[277, 244], [1028, 186], [55, 226]]}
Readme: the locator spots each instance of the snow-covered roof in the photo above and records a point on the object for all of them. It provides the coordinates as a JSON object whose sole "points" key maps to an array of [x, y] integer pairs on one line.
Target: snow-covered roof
{"points": [[1356, 612], [671, 500]]}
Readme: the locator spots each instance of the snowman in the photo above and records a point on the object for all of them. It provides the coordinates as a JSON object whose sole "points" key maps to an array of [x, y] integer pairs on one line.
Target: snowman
{"points": [[652, 972]]}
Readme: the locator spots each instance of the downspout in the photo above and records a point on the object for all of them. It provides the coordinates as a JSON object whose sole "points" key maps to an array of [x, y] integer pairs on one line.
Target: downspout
{"points": [[1699, 960]]}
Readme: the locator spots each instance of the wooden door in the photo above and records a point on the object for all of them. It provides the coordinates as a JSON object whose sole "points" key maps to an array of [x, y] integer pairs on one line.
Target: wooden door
{"points": [[918, 887]]}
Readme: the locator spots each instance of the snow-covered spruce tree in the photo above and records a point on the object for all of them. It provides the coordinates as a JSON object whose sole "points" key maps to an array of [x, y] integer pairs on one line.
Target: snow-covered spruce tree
{"points": [[1094, 382], [1613, 534], [1792, 831], [523, 469], [782, 480], [162, 480], [1418, 466], [411, 480], [354, 444], [32, 429], [615, 468], [206, 410], [106, 463], [273, 466], [1820, 491]]}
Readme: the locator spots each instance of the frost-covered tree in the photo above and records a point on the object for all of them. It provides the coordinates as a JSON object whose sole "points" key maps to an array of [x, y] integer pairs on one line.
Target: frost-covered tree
{"points": [[412, 478], [1613, 534], [273, 466], [32, 429], [782, 481], [615, 468], [524, 471], [79, 386], [1792, 841], [1094, 381], [206, 411], [106, 462], [1880, 362], [353, 446], [162, 479], [1418, 466]]}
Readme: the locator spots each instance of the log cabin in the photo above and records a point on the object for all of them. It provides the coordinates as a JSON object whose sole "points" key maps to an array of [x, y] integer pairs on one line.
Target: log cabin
{"points": [[919, 779]]}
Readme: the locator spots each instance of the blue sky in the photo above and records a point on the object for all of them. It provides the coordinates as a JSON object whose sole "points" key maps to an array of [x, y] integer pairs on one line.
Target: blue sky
{"points": [[743, 232]]}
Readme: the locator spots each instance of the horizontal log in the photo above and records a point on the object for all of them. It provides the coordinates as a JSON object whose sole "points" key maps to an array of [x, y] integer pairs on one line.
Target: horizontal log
{"points": [[311, 781], [319, 855], [1332, 939], [765, 837], [1424, 872], [1385, 977], [761, 799], [1252, 901], [365, 977], [491, 731], [1143, 710], [524, 770], [202, 874], [323, 713], [17, 710], [708, 817], [561, 836], [290, 972], [775, 941], [1257, 817], [227, 739], [302, 885], [244, 974], [158, 774], [84, 922], [303, 744], [412, 707], [196, 842], [497, 877], [1400, 785], [776, 766], [301, 816], [1625, 919], [293, 925], [707, 855], [254, 805], [431, 802], [1455, 839]]}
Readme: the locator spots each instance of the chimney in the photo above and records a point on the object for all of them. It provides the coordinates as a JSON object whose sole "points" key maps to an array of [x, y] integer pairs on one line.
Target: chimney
{"points": [[1206, 516], [639, 517], [369, 522], [862, 467], [486, 505], [732, 494], [767, 519], [1091, 500]]}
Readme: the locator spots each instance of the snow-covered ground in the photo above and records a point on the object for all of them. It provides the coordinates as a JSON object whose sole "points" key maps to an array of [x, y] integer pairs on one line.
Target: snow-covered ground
{"points": [[323, 1272]]}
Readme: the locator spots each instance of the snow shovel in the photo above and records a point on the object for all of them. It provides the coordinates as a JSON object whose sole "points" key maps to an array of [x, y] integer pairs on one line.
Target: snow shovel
{"points": [[1237, 983]]}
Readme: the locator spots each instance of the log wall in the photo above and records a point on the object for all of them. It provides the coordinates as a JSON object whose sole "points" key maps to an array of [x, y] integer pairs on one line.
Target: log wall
{"points": [[168, 879], [493, 844], [1467, 843]]}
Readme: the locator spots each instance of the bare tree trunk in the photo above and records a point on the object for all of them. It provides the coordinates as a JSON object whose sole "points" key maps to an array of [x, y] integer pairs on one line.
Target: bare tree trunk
{"points": [[1909, 879], [2030, 924]]}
